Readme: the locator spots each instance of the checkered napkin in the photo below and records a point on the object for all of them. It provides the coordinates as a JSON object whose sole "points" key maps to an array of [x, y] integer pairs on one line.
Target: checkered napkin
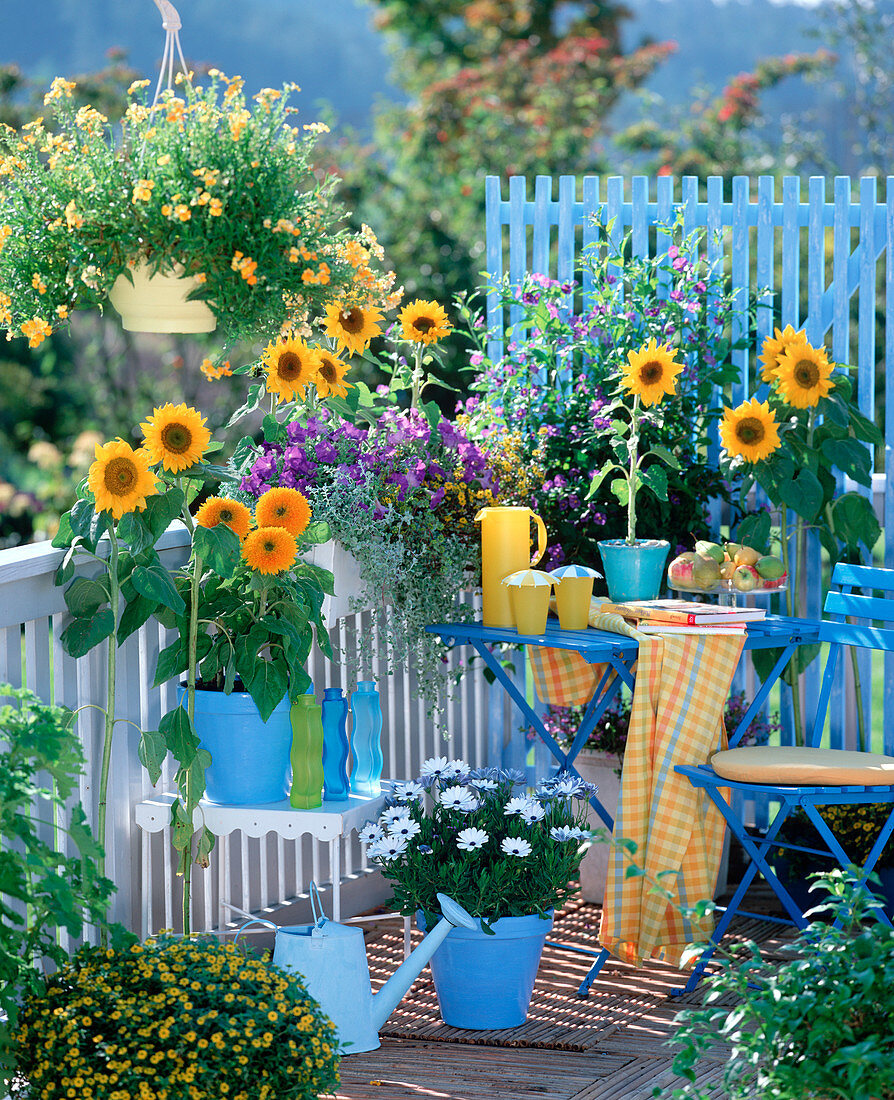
{"points": [[682, 683]]}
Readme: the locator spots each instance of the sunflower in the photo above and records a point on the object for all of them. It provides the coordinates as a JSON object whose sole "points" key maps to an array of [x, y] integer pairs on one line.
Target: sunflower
{"points": [[331, 378], [750, 431], [270, 549], [286, 508], [176, 436], [291, 365], [120, 478], [217, 510], [802, 376], [651, 372], [774, 346], [352, 326], [424, 322]]}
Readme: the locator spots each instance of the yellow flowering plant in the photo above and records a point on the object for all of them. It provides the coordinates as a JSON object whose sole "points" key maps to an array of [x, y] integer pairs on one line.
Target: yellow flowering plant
{"points": [[206, 183], [169, 1019], [649, 374], [797, 444]]}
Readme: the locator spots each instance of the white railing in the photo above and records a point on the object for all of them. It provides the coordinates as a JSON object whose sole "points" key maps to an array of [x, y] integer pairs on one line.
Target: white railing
{"points": [[258, 873]]}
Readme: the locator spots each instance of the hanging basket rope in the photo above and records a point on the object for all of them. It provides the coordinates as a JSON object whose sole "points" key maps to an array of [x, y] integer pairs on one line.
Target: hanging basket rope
{"points": [[170, 20]]}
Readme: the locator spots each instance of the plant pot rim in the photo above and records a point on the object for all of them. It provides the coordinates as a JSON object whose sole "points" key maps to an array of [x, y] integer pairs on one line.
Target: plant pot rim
{"points": [[637, 544]]}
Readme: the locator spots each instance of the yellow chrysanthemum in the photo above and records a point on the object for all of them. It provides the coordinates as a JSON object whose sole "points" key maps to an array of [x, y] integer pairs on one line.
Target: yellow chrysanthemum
{"points": [[217, 510], [802, 376], [352, 326], [291, 366], [283, 507], [175, 436], [331, 378], [750, 431], [424, 322], [773, 346], [651, 372], [120, 478], [270, 549]]}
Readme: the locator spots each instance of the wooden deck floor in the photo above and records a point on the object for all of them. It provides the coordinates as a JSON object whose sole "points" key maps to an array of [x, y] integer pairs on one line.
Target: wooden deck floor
{"points": [[611, 1046]]}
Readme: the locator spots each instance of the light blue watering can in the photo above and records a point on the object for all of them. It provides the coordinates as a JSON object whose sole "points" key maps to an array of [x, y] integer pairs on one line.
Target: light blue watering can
{"points": [[331, 958]]}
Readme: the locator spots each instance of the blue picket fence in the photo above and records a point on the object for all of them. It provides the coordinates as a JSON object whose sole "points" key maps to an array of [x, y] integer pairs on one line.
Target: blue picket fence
{"points": [[768, 237]]}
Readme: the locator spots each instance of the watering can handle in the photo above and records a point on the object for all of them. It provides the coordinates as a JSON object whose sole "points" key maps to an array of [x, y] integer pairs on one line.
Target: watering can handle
{"points": [[541, 539], [320, 918], [255, 920]]}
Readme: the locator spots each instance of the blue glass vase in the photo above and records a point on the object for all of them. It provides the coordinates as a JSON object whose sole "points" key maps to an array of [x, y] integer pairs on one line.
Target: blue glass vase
{"points": [[335, 746], [366, 740]]}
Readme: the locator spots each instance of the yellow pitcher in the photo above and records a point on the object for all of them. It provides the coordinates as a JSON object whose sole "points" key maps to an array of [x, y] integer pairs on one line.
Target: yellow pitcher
{"points": [[505, 549]]}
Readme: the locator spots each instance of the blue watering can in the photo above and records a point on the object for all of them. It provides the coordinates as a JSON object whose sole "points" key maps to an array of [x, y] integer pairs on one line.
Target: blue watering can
{"points": [[331, 958]]}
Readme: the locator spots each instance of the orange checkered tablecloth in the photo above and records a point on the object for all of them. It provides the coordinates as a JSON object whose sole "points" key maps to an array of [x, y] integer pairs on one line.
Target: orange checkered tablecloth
{"points": [[682, 684]]}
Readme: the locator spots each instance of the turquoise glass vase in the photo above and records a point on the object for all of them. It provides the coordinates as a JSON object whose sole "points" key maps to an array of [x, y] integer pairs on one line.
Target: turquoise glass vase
{"points": [[335, 746], [307, 754], [366, 740]]}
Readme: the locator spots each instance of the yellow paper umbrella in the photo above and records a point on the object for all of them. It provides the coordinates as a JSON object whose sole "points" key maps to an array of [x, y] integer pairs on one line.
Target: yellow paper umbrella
{"points": [[528, 578]]}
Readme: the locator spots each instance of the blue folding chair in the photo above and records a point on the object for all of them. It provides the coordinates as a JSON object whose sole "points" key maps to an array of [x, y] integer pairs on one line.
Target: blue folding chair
{"points": [[808, 776]]}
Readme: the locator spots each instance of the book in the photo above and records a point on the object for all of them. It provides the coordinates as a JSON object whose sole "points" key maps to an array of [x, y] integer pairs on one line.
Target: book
{"points": [[685, 628], [684, 611]]}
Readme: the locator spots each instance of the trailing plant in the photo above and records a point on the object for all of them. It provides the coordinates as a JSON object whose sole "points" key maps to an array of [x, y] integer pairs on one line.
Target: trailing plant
{"points": [[173, 1018], [41, 888], [816, 1027], [795, 446], [556, 382], [201, 183], [468, 835]]}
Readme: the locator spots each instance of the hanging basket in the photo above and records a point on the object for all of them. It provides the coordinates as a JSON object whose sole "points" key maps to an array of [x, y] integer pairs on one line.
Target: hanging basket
{"points": [[159, 302]]}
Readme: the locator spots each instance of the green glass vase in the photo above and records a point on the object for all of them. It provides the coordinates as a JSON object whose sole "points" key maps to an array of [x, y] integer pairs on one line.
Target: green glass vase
{"points": [[307, 754]]}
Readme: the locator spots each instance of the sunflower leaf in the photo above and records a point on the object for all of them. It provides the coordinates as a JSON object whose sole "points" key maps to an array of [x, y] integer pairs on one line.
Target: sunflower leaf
{"points": [[271, 428], [133, 530], [81, 635], [218, 547], [85, 597], [162, 510], [154, 582], [251, 403]]}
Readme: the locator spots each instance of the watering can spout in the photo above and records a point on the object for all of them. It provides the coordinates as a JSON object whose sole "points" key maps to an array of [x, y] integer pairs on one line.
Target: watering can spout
{"points": [[397, 986]]}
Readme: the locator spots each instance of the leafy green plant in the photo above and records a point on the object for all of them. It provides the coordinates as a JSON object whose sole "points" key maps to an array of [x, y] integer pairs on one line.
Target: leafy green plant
{"points": [[41, 889], [199, 184], [173, 1018], [818, 1027], [466, 834]]}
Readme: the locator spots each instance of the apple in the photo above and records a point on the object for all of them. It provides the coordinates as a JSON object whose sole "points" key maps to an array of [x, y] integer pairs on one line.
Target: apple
{"points": [[746, 578], [679, 572]]}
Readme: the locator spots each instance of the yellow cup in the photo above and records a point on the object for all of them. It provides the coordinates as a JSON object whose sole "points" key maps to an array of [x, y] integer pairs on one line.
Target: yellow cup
{"points": [[573, 602], [530, 608]]}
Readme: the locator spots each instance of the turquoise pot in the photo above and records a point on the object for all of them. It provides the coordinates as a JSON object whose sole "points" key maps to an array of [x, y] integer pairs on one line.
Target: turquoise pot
{"points": [[485, 982], [249, 757], [634, 572]]}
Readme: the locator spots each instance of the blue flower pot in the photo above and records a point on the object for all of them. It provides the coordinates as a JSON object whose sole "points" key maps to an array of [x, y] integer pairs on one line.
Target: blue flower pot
{"points": [[249, 758], [633, 572], [485, 982]]}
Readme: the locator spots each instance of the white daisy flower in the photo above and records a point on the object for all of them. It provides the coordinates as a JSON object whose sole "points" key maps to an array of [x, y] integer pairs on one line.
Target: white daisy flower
{"points": [[580, 834], [371, 832], [562, 833], [436, 768], [483, 783], [515, 805], [566, 786], [388, 848], [458, 798], [411, 791], [456, 769], [471, 839], [406, 827], [516, 846], [392, 815], [533, 812]]}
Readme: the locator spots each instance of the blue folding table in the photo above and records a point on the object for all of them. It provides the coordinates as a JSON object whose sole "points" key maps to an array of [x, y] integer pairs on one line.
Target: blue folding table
{"points": [[618, 652]]}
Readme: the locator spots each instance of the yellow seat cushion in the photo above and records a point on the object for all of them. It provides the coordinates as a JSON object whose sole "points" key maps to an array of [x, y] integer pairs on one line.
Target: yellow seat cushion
{"points": [[804, 767]]}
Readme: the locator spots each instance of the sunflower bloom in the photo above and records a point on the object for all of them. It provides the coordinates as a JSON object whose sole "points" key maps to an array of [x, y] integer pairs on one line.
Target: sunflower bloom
{"points": [[120, 478], [424, 322], [750, 431], [352, 327], [331, 378], [291, 366], [270, 549], [773, 346], [651, 372], [802, 376], [283, 507], [232, 513], [176, 436]]}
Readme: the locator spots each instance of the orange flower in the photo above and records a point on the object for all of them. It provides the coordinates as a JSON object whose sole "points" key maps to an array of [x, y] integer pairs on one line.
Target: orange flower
{"points": [[217, 510], [283, 507]]}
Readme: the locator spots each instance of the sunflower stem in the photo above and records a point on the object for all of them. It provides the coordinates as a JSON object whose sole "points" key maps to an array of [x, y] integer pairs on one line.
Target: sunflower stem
{"points": [[416, 380], [632, 449], [109, 724], [192, 646]]}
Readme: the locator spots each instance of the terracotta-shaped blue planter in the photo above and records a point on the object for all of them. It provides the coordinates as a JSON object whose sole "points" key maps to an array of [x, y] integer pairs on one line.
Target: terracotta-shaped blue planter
{"points": [[485, 982], [249, 758], [633, 572]]}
